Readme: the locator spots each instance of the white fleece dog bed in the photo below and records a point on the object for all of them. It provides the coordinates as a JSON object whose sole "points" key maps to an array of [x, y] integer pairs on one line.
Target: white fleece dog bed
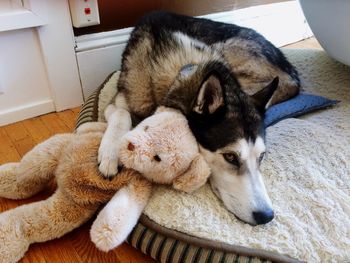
{"points": [[306, 171]]}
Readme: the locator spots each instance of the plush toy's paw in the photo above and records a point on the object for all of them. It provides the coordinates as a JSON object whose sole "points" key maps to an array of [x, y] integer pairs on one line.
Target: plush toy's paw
{"points": [[116, 220], [105, 237], [107, 231], [108, 159], [13, 244]]}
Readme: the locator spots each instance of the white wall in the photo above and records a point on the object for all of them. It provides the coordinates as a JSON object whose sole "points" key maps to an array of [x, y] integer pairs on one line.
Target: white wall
{"points": [[23, 79]]}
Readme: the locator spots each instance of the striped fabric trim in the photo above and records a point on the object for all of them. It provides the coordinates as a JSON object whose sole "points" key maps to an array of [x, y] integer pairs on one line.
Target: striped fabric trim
{"points": [[169, 250], [89, 110]]}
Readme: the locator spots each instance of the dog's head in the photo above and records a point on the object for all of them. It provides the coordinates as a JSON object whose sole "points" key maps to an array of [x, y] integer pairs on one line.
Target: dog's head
{"points": [[228, 124]]}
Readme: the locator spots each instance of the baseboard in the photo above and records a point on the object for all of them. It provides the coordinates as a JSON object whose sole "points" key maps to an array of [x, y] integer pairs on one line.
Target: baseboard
{"points": [[99, 54], [26, 111]]}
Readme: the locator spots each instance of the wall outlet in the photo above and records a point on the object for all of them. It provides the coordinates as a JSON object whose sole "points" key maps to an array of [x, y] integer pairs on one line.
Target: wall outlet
{"points": [[84, 12]]}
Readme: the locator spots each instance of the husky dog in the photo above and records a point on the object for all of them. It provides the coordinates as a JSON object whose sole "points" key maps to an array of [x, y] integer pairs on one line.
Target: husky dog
{"points": [[222, 77]]}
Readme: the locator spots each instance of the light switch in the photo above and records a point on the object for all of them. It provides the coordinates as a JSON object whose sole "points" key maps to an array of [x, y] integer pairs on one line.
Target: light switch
{"points": [[84, 12]]}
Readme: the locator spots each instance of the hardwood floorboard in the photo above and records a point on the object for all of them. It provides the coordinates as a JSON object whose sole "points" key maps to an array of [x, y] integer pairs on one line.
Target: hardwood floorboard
{"points": [[80, 240], [24, 145], [34, 255], [60, 250], [37, 129], [68, 117], [16, 131], [54, 123], [8, 152]]}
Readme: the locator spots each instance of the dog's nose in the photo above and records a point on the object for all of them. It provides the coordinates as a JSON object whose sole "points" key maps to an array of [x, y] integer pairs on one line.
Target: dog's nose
{"points": [[263, 217]]}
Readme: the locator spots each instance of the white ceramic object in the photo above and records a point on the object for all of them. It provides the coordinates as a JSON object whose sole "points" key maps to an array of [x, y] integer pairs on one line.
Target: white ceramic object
{"points": [[329, 20]]}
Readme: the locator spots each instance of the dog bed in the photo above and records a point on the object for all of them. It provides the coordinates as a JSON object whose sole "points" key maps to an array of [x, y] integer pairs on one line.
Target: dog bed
{"points": [[306, 173]]}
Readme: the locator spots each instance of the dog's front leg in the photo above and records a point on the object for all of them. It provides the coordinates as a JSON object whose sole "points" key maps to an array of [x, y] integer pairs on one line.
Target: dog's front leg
{"points": [[119, 123]]}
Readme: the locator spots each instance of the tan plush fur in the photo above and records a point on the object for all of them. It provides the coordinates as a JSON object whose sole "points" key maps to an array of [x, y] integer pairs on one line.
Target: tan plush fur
{"points": [[81, 189]]}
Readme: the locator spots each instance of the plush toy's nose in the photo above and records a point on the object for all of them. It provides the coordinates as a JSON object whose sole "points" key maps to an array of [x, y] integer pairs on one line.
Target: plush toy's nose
{"points": [[131, 147]]}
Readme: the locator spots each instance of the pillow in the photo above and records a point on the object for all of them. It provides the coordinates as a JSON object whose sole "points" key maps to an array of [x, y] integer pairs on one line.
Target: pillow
{"points": [[297, 106]]}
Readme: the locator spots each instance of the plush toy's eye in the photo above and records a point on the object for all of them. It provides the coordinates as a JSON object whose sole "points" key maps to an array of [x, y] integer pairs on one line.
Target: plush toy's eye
{"points": [[146, 128], [157, 158], [131, 147]]}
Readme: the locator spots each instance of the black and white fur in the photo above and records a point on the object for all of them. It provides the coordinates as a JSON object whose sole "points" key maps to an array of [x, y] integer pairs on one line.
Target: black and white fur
{"points": [[222, 77]]}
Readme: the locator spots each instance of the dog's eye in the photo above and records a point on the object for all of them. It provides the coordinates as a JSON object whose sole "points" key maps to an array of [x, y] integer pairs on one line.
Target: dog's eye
{"points": [[232, 158], [261, 157]]}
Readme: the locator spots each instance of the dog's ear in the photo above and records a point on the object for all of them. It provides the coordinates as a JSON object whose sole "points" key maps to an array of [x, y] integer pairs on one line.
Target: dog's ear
{"points": [[210, 96], [262, 97]]}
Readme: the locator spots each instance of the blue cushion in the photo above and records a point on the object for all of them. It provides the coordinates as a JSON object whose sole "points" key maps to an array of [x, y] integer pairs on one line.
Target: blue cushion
{"points": [[297, 106]]}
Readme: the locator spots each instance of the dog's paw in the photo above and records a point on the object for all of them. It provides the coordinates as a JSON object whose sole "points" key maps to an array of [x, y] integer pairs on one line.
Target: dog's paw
{"points": [[108, 165], [108, 160]]}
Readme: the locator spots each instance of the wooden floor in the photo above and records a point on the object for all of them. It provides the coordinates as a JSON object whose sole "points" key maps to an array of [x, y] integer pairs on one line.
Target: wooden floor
{"points": [[18, 138]]}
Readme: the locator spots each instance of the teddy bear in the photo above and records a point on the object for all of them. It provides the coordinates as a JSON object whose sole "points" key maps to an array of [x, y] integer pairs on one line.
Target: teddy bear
{"points": [[161, 149]]}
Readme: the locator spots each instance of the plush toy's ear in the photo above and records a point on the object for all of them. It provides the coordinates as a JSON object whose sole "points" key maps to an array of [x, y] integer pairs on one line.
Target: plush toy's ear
{"points": [[194, 177], [262, 97], [210, 96]]}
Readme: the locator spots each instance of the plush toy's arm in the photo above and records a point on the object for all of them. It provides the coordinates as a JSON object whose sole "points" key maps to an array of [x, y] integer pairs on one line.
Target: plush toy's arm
{"points": [[194, 177], [117, 219]]}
